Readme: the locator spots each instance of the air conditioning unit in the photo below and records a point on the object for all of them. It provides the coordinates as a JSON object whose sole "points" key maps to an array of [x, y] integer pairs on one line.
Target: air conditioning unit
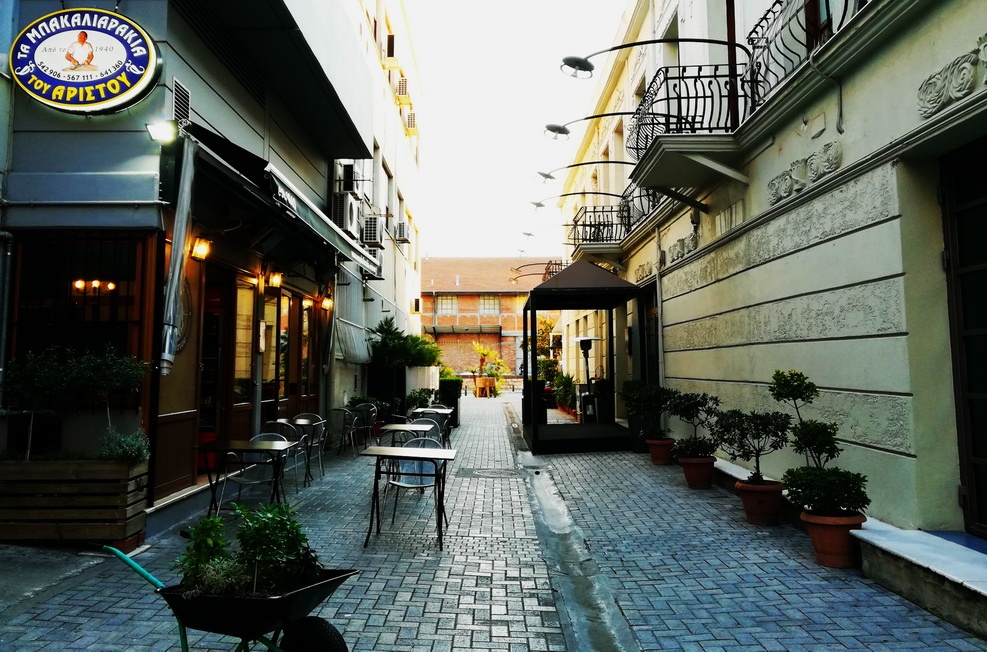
{"points": [[346, 213], [411, 125], [401, 90], [373, 232], [402, 232]]}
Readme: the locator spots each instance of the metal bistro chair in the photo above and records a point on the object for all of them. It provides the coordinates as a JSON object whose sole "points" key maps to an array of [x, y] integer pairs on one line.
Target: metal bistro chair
{"points": [[313, 427], [290, 433], [441, 419], [366, 414], [341, 423], [250, 469], [436, 431], [415, 474]]}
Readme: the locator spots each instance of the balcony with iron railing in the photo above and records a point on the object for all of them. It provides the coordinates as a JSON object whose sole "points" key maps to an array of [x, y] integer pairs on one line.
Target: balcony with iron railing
{"points": [[714, 98], [609, 225], [787, 34], [690, 99]]}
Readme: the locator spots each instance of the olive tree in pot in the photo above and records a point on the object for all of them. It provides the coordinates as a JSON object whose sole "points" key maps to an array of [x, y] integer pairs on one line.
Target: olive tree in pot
{"points": [[646, 404], [695, 453], [748, 436], [833, 499]]}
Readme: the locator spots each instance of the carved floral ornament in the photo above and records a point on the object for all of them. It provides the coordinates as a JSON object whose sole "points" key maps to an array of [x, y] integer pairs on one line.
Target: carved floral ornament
{"points": [[953, 82], [643, 271], [805, 171]]}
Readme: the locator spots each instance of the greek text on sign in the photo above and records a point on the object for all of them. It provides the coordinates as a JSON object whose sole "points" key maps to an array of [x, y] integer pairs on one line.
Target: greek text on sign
{"points": [[85, 61]]}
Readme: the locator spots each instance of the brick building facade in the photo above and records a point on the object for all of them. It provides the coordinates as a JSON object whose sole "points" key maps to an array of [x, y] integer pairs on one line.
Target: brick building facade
{"points": [[467, 300]]}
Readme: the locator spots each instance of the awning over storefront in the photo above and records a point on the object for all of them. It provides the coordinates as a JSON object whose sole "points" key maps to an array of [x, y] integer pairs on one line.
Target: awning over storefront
{"points": [[273, 185], [352, 342]]}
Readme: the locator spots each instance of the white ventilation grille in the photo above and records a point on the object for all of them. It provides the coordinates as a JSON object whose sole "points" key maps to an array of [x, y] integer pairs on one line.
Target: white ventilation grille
{"points": [[181, 108]]}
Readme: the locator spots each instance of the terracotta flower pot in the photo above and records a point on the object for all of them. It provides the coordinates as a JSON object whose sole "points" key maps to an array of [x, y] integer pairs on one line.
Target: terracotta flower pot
{"points": [[698, 471], [831, 540], [661, 450], [762, 502]]}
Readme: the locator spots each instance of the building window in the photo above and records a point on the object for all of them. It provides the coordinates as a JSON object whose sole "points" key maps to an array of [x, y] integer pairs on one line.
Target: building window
{"points": [[730, 218], [489, 304], [80, 290], [446, 305]]}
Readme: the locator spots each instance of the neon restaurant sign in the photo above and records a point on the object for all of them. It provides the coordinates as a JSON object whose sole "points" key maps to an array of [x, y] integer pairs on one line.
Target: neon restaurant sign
{"points": [[85, 61]]}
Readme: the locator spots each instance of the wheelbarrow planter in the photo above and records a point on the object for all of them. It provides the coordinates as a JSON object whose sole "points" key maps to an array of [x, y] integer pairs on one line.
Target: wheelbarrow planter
{"points": [[249, 617], [256, 619]]}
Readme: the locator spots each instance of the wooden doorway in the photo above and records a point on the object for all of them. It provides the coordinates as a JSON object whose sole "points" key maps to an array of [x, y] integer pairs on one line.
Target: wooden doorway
{"points": [[964, 184]]}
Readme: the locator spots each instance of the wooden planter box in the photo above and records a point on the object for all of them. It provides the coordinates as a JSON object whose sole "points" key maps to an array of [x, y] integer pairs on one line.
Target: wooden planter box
{"points": [[73, 500]]}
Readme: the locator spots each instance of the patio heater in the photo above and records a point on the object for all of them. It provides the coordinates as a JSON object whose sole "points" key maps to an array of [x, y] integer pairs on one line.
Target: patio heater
{"points": [[586, 397]]}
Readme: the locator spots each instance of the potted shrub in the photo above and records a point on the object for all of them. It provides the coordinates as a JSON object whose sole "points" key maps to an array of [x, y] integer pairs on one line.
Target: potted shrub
{"points": [[832, 499], [646, 403], [564, 390], [270, 580], [749, 436], [695, 453]]}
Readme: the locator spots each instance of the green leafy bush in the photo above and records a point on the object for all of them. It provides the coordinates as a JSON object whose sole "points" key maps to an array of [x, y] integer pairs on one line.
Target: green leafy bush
{"points": [[827, 491], [132, 448], [750, 435], [272, 556], [646, 403]]}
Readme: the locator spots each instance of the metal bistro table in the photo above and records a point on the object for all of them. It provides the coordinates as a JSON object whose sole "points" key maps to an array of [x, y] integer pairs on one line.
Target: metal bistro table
{"points": [[412, 429], [439, 457], [276, 450]]}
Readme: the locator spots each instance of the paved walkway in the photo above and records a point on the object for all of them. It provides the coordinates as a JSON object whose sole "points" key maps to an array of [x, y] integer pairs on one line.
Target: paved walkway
{"points": [[585, 553]]}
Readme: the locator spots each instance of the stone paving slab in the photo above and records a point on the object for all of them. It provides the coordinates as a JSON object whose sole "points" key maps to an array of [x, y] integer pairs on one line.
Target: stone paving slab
{"points": [[564, 552]]}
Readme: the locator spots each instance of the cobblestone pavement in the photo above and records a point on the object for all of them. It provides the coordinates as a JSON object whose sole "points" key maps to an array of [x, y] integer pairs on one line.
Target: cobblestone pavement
{"points": [[587, 552]]}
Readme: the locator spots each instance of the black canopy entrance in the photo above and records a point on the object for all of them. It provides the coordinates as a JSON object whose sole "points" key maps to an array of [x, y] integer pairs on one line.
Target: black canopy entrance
{"points": [[580, 286]]}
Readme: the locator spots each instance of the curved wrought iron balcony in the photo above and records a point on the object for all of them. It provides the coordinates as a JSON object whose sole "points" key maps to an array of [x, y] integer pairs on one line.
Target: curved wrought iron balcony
{"points": [[611, 224], [705, 98]]}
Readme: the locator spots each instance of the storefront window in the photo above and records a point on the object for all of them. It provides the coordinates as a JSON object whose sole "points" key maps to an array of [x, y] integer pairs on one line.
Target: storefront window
{"points": [[284, 343], [305, 346], [78, 289], [269, 326], [243, 352]]}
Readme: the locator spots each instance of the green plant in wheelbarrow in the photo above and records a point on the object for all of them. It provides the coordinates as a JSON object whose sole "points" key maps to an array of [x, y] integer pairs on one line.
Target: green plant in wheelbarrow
{"points": [[267, 581]]}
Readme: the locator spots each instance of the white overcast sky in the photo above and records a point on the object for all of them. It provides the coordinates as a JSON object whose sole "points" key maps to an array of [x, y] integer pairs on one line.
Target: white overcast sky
{"points": [[490, 84]]}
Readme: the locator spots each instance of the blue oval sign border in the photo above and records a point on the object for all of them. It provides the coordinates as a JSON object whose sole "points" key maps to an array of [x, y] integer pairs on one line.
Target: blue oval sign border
{"points": [[85, 61]]}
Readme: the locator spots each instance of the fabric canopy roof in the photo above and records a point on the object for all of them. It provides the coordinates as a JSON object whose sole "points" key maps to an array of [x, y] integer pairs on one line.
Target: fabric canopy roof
{"points": [[581, 285]]}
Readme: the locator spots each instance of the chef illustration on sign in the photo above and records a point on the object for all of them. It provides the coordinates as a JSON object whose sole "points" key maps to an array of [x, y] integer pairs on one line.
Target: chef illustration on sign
{"points": [[80, 53]]}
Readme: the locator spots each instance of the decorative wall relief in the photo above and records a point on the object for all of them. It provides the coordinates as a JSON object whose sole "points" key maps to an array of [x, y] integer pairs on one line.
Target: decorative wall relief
{"points": [[805, 171], [951, 84], [643, 271], [676, 250]]}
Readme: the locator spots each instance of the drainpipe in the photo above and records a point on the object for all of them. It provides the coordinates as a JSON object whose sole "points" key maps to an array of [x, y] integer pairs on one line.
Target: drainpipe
{"points": [[839, 91], [7, 251]]}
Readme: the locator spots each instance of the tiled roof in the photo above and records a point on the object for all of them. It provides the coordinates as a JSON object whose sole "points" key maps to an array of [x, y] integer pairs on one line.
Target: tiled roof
{"points": [[480, 275]]}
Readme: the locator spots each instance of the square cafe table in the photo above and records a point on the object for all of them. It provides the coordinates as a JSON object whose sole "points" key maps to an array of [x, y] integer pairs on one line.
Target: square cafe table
{"points": [[438, 457], [413, 429], [276, 450]]}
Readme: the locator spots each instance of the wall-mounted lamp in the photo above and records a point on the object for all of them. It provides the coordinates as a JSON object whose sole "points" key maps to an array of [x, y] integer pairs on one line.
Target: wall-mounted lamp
{"points": [[200, 249], [548, 175], [162, 131], [307, 303], [561, 132], [327, 302], [274, 279], [540, 203]]}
